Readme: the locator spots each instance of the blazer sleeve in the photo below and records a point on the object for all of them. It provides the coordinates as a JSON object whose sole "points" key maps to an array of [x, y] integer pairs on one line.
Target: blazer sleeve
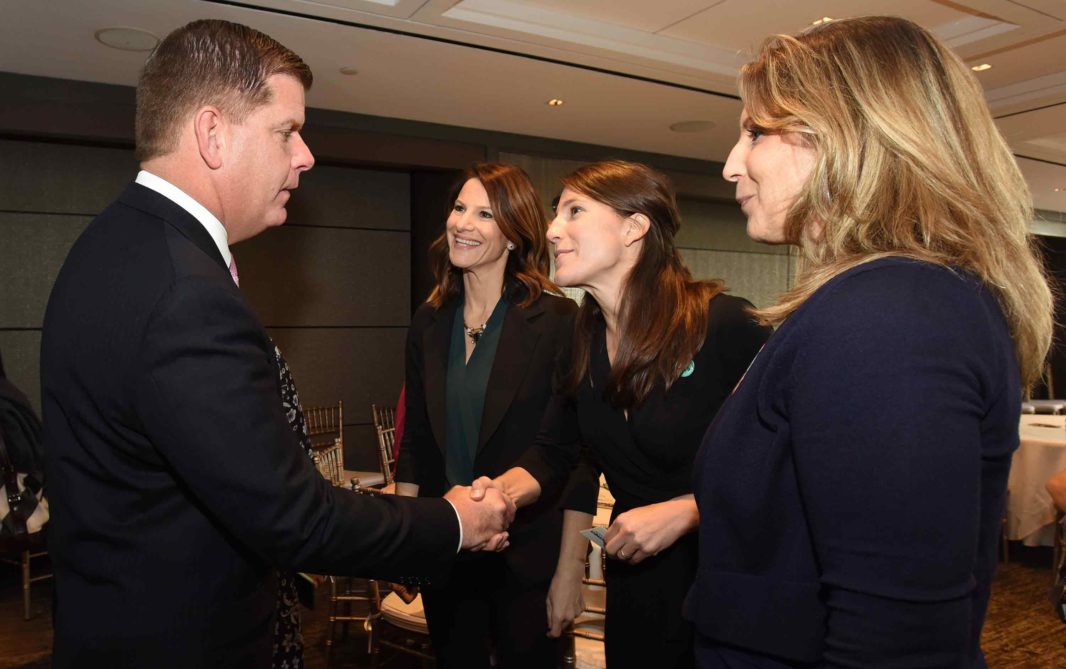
{"points": [[207, 397], [417, 434], [885, 403], [556, 448]]}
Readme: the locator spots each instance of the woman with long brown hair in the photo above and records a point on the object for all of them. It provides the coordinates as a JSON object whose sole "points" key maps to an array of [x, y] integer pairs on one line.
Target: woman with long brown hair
{"points": [[480, 358], [850, 493], [655, 354]]}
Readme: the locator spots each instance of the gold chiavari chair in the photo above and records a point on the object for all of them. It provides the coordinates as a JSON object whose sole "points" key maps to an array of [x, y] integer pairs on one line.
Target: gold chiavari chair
{"points": [[325, 427], [330, 462], [386, 450], [585, 648], [585, 637], [383, 416], [389, 621]]}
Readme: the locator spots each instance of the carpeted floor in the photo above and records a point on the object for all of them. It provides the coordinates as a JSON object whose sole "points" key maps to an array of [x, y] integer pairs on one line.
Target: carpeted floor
{"points": [[1021, 631]]}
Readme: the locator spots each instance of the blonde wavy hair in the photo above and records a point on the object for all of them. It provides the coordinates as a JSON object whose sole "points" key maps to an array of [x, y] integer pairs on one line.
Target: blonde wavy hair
{"points": [[909, 163]]}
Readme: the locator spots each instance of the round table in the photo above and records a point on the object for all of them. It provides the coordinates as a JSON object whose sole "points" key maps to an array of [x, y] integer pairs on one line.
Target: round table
{"points": [[1041, 455]]}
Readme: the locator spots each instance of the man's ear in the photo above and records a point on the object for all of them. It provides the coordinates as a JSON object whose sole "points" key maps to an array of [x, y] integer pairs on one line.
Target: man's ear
{"points": [[636, 226], [210, 126]]}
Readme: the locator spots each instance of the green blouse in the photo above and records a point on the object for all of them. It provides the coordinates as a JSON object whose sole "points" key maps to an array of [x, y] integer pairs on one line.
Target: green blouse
{"points": [[465, 393]]}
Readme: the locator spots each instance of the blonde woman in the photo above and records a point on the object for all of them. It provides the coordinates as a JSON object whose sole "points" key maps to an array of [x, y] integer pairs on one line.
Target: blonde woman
{"points": [[850, 491]]}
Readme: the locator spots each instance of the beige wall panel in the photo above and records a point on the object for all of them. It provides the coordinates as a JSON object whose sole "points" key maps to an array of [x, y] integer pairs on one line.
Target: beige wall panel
{"points": [[327, 276], [32, 250], [352, 198], [62, 178], [759, 278], [21, 350]]}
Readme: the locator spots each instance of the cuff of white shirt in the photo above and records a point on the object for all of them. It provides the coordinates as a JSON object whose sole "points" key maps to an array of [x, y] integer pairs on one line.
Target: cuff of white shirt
{"points": [[458, 518]]}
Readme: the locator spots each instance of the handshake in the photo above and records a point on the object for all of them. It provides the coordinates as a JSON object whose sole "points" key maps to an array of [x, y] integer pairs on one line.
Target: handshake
{"points": [[485, 513]]}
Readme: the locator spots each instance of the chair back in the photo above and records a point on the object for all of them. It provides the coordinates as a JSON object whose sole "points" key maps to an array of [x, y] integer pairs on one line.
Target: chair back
{"points": [[330, 463], [386, 449], [384, 416], [325, 425]]}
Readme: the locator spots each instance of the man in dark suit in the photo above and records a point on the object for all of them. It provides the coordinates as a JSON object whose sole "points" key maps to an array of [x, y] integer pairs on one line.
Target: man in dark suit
{"points": [[177, 488]]}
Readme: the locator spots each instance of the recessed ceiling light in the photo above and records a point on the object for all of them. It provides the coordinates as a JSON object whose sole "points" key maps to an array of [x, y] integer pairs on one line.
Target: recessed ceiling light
{"points": [[824, 19], [126, 39], [555, 102], [981, 68], [349, 71], [1060, 189], [692, 126]]}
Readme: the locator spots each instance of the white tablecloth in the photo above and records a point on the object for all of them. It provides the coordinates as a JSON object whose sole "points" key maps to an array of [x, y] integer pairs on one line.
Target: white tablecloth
{"points": [[1041, 455]]}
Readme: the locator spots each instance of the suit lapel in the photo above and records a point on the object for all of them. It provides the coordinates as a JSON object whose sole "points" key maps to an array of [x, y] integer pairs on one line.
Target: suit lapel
{"points": [[513, 355], [435, 343]]}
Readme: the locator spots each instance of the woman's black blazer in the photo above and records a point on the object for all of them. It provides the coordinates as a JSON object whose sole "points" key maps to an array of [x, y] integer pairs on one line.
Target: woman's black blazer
{"points": [[518, 391]]}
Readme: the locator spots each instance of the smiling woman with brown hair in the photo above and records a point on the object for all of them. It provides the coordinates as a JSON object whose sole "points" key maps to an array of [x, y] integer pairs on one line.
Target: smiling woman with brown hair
{"points": [[480, 357]]}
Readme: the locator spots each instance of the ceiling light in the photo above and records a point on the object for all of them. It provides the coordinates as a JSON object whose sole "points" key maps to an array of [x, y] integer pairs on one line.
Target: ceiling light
{"points": [[824, 19], [1060, 189], [127, 39], [692, 126], [981, 68], [349, 71], [555, 102]]}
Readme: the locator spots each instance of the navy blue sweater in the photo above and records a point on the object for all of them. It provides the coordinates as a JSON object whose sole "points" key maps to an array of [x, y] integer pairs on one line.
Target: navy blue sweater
{"points": [[851, 489]]}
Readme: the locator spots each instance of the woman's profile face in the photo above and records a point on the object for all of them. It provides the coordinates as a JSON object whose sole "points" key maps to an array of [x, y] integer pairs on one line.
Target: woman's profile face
{"points": [[769, 170], [474, 238], [587, 239]]}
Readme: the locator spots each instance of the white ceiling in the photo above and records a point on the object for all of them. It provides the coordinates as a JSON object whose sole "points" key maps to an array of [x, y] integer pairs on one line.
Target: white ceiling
{"points": [[627, 69]]}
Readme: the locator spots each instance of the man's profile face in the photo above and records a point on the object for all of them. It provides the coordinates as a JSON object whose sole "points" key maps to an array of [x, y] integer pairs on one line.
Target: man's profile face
{"points": [[265, 157]]}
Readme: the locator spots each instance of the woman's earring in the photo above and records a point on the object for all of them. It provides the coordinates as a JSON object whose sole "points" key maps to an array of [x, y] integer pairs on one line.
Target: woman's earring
{"points": [[510, 246]]}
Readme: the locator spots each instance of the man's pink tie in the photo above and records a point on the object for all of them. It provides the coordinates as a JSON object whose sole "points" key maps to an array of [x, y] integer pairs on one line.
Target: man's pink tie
{"points": [[233, 271]]}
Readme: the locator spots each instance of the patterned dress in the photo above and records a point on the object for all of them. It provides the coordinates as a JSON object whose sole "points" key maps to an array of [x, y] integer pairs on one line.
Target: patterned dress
{"points": [[288, 642]]}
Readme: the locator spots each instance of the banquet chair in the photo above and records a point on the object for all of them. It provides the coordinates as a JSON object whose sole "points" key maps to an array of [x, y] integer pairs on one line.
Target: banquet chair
{"points": [[1058, 553], [330, 462], [325, 427], [584, 648], [389, 621], [20, 551], [27, 542], [384, 416], [398, 625], [386, 449]]}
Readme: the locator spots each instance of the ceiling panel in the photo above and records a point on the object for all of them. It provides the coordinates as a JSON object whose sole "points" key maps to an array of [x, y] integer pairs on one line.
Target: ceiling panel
{"points": [[636, 14], [393, 8], [734, 25], [1031, 59]]}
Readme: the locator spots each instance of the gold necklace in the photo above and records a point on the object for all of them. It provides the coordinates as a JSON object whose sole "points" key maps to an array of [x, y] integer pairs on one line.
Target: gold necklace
{"points": [[474, 333]]}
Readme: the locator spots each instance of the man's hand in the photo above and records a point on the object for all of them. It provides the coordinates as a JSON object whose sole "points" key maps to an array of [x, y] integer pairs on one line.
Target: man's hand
{"points": [[484, 522]]}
